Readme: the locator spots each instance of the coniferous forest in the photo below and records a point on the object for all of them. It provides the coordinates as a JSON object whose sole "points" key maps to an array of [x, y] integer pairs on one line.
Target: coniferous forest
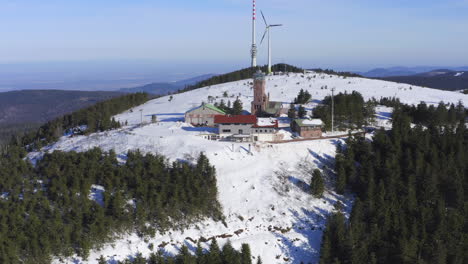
{"points": [[215, 255], [442, 114], [243, 74], [46, 210], [96, 118], [351, 111], [411, 195]]}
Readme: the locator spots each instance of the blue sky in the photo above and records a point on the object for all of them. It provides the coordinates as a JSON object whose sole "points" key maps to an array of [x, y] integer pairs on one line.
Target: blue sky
{"points": [[343, 34]]}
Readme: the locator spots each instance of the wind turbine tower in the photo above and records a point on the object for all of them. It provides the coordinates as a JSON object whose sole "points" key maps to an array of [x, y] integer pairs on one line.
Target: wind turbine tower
{"points": [[253, 51], [267, 31]]}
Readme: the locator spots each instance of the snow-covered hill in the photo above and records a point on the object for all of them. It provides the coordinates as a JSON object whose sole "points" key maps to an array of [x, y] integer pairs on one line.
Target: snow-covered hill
{"points": [[264, 194]]}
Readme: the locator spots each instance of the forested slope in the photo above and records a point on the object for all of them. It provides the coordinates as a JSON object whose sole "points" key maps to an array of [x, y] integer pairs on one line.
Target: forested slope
{"points": [[411, 204], [24, 111], [71, 202]]}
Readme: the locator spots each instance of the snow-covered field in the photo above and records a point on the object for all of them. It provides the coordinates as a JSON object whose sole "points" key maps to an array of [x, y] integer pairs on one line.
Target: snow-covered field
{"points": [[263, 191], [263, 194]]}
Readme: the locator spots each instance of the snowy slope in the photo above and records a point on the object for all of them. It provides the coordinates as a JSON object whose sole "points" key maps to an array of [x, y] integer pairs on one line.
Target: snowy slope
{"points": [[285, 88], [259, 193], [263, 194]]}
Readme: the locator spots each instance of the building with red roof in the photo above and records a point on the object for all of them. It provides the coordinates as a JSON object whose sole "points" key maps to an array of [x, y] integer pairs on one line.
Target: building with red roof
{"points": [[235, 119]]}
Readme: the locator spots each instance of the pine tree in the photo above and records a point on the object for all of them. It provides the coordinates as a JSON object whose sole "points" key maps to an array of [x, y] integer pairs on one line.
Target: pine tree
{"points": [[102, 260], [214, 255], [292, 111], [341, 174], [229, 254], [246, 255], [301, 112], [317, 185], [259, 260], [184, 256], [237, 107]]}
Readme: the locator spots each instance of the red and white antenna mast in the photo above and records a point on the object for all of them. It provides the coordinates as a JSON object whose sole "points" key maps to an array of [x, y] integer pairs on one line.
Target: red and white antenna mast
{"points": [[253, 51]]}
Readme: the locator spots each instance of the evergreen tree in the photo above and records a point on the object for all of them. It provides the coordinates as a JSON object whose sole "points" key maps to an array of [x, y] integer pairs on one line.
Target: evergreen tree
{"points": [[301, 112], [292, 111], [246, 254], [259, 260], [237, 107], [214, 255], [317, 185], [405, 182], [102, 260]]}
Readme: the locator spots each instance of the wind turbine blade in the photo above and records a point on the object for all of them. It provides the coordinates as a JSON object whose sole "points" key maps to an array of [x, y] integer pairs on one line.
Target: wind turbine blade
{"points": [[277, 25], [264, 34], [264, 20]]}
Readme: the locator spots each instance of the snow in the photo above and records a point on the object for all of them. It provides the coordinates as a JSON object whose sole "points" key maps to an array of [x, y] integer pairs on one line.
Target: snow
{"points": [[266, 121], [262, 192], [316, 122], [284, 88], [459, 74], [97, 194], [78, 129], [258, 192], [4, 195], [383, 116]]}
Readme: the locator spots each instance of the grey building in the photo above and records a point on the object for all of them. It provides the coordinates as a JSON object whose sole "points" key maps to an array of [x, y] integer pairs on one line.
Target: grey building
{"points": [[203, 115]]}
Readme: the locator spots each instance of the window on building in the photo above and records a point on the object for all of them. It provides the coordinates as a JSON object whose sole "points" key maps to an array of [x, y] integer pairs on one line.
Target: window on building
{"points": [[226, 130]]}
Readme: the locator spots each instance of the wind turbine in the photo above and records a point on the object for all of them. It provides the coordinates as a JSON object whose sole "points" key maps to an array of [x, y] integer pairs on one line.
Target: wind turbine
{"points": [[267, 30]]}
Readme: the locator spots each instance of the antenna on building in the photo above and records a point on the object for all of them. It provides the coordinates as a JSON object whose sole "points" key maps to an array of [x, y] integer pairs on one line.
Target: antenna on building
{"points": [[253, 51], [267, 30]]}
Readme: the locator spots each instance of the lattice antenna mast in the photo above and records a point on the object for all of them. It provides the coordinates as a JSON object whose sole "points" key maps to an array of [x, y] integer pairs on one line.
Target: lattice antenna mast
{"points": [[253, 51]]}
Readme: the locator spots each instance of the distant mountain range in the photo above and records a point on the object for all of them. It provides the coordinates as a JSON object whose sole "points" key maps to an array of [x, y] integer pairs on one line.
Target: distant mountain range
{"points": [[405, 71], [39, 106], [443, 79], [25, 110], [165, 88]]}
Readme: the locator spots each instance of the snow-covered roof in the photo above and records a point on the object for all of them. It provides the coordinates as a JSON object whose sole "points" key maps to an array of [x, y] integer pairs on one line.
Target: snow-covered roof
{"points": [[316, 122], [266, 122], [309, 122], [209, 106]]}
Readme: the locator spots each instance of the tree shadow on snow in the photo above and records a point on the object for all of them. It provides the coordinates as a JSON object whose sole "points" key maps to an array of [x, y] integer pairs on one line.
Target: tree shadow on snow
{"points": [[324, 160], [171, 119], [201, 129], [310, 226], [299, 183]]}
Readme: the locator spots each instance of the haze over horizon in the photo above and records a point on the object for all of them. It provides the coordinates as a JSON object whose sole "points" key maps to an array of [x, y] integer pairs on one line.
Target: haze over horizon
{"points": [[154, 41]]}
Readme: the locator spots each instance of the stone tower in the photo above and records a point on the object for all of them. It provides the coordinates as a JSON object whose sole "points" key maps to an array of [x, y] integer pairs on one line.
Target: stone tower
{"points": [[261, 99]]}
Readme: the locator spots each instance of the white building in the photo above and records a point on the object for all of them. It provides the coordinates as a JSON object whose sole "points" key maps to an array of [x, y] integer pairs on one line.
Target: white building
{"points": [[247, 128]]}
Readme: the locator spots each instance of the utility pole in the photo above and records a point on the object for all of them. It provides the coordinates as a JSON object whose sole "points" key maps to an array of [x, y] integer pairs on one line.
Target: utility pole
{"points": [[333, 109]]}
